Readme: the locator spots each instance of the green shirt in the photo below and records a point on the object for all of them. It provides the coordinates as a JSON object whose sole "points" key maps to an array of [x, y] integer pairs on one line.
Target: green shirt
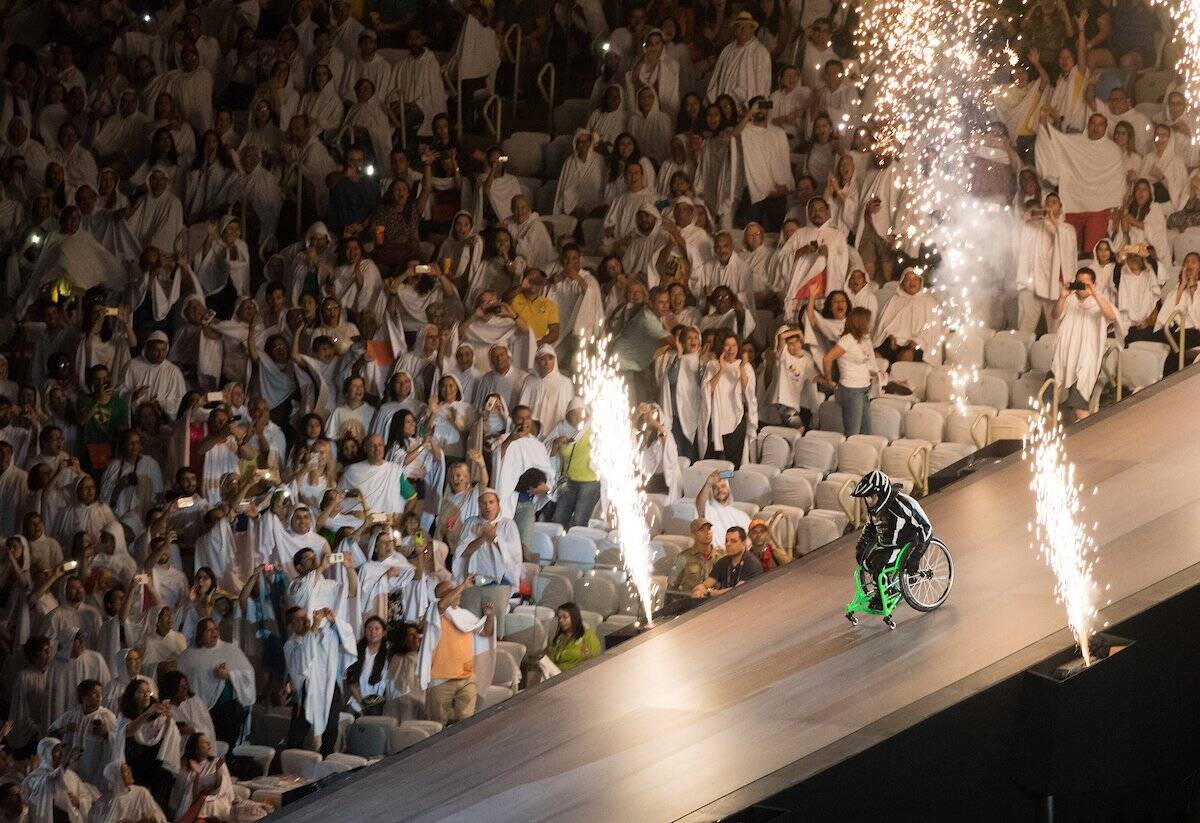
{"points": [[638, 340], [577, 459], [107, 422], [568, 653]]}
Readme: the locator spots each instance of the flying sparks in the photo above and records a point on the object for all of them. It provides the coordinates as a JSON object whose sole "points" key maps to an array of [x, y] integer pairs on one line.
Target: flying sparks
{"points": [[1060, 535], [932, 73], [1186, 36], [616, 459]]}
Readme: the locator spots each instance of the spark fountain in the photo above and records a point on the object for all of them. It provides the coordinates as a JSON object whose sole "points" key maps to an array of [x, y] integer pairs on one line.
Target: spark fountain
{"points": [[616, 459], [1059, 534], [1186, 36], [933, 70]]}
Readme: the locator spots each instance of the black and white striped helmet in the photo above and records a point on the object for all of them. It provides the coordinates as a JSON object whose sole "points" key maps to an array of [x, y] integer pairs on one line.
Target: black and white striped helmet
{"points": [[874, 483]]}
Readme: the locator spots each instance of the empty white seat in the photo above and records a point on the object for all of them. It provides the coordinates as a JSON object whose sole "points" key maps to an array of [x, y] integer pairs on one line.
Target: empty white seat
{"points": [[524, 150], [543, 546], [766, 470], [828, 495], [554, 154], [1009, 424], [945, 454], [989, 390], [593, 233], [924, 424], [875, 440], [857, 457], [551, 591], [1005, 351], [939, 388], [813, 476], [967, 350], [792, 490], [775, 445], [487, 697], [1041, 353], [507, 672], [829, 416], [838, 517], [895, 401], [596, 594], [261, 755], [750, 509], [1024, 391], [898, 461], [969, 426], [750, 487], [299, 762], [1141, 367], [885, 421], [815, 453], [814, 532], [678, 518], [577, 549]]}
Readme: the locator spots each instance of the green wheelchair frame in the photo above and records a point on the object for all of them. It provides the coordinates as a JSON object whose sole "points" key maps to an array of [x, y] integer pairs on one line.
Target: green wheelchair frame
{"points": [[887, 583]]}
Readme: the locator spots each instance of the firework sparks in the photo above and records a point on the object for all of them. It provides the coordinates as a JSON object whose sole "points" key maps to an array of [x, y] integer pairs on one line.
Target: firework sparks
{"points": [[1186, 15], [1060, 534], [616, 459], [932, 72]]}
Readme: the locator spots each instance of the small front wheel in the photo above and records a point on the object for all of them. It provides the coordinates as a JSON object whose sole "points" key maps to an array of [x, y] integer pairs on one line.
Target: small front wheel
{"points": [[929, 587]]}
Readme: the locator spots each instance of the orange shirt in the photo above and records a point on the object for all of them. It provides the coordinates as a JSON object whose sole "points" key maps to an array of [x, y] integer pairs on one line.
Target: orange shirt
{"points": [[454, 657]]}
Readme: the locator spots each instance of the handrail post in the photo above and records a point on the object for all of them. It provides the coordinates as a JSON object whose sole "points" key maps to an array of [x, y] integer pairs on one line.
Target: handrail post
{"points": [[514, 54], [1178, 348], [548, 96], [920, 473], [1050, 382], [403, 126], [458, 86], [854, 514], [987, 430]]}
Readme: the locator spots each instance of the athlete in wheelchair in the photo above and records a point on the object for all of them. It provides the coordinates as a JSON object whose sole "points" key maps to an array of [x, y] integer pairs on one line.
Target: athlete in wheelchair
{"points": [[897, 556]]}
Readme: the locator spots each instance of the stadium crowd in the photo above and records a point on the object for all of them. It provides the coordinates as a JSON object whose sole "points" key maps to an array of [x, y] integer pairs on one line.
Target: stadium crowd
{"points": [[291, 453]]}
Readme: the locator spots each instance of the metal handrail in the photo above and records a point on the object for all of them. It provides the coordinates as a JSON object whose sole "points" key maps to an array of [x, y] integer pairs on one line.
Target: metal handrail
{"points": [[1181, 346], [514, 54], [1119, 376], [494, 125], [1041, 394], [852, 510], [974, 425], [548, 96], [458, 98], [920, 472]]}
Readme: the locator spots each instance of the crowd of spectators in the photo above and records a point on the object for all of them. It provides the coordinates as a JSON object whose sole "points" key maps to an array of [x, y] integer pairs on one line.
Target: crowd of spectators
{"points": [[286, 396]]}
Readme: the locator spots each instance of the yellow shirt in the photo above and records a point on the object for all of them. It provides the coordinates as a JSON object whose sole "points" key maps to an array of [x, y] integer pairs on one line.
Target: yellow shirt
{"points": [[577, 459], [540, 313]]}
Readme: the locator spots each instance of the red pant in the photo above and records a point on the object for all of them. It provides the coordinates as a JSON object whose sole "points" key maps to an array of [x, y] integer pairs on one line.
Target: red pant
{"points": [[1090, 228]]}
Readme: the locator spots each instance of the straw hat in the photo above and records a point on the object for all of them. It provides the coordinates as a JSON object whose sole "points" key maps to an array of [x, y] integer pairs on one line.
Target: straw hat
{"points": [[744, 18]]}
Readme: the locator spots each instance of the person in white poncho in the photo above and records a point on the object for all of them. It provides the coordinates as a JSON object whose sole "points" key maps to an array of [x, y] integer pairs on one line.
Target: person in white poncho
{"points": [[547, 391], [125, 800], [318, 652], [222, 677], [87, 729], [743, 70], [533, 241], [730, 404], [53, 790], [762, 157], [151, 378], [1089, 170], [650, 126], [419, 81], [910, 325], [489, 545], [581, 181], [1139, 285], [815, 259], [383, 486], [1083, 314], [1181, 310], [1046, 255]]}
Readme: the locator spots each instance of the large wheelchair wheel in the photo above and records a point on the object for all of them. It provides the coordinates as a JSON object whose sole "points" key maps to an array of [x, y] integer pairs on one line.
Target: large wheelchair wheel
{"points": [[930, 586]]}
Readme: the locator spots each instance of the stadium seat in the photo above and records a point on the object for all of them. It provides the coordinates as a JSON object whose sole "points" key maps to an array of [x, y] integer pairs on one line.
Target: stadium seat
{"points": [[969, 426], [710, 466], [543, 547], [593, 234], [1009, 424], [1024, 390], [989, 390], [814, 453], [793, 490], [750, 487], [678, 518], [829, 416], [577, 549], [775, 446], [299, 762], [559, 225], [551, 591], [899, 464], [912, 375], [555, 153], [367, 739], [788, 522], [814, 532], [924, 424], [262, 756], [694, 478], [945, 454], [938, 386], [885, 420], [835, 438], [766, 470], [1141, 367], [526, 630], [857, 457], [1006, 351], [507, 672], [525, 151], [1041, 353], [596, 594], [828, 495], [967, 350]]}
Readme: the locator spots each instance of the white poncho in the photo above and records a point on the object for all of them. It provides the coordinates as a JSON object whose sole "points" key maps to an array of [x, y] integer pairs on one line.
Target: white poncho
{"points": [[743, 71], [1079, 346], [1090, 173], [912, 318], [498, 558], [1046, 257], [198, 663], [548, 396], [379, 484], [581, 182]]}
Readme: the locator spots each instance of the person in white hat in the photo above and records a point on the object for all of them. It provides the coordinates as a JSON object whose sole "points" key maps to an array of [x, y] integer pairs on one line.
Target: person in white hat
{"points": [[151, 378], [743, 70]]}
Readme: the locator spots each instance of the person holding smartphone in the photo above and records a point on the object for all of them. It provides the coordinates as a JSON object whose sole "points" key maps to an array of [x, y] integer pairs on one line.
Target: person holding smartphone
{"points": [[1083, 314]]}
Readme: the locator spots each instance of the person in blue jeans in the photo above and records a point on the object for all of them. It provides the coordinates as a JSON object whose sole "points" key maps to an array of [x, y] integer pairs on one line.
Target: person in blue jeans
{"points": [[578, 495], [855, 358]]}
